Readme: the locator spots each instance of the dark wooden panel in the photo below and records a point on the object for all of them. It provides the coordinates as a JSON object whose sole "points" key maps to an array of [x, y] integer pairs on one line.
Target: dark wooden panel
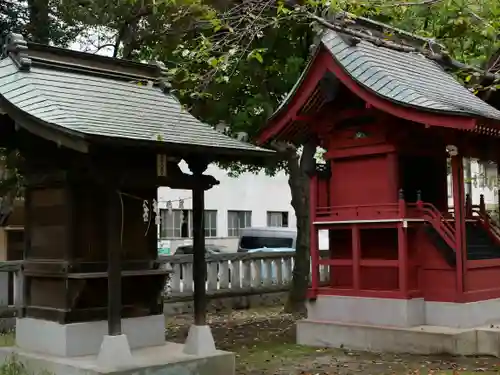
{"points": [[130, 265], [49, 215], [77, 300], [89, 224], [47, 197], [48, 242], [48, 292], [139, 238], [15, 244]]}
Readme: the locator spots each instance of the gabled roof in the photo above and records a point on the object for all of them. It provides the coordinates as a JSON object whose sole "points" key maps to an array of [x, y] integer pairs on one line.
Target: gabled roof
{"points": [[95, 97], [406, 78], [397, 72]]}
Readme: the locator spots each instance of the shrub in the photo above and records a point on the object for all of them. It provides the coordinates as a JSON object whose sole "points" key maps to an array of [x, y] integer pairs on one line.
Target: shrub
{"points": [[12, 366]]}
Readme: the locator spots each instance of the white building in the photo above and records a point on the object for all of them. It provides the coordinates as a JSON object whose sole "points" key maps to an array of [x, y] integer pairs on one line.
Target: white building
{"points": [[483, 180], [249, 200]]}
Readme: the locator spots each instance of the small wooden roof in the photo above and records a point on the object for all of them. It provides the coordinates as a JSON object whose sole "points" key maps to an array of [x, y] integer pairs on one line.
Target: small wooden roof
{"points": [[90, 99], [384, 74]]}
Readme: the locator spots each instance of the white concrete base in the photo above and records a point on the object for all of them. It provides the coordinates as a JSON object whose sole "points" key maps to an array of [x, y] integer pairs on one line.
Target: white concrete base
{"points": [[199, 341], [462, 315], [370, 311], [168, 359], [80, 339], [423, 339], [403, 313], [115, 353]]}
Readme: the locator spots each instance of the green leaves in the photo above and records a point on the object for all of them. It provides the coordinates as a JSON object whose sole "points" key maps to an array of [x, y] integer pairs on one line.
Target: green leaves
{"points": [[236, 62], [257, 54]]}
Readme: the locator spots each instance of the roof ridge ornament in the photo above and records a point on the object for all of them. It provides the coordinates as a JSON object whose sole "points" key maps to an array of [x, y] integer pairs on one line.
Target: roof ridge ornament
{"points": [[163, 79], [16, 47]]}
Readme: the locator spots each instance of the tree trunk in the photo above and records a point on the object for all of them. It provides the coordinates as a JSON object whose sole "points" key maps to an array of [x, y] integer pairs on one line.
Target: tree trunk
{"points": [[298, 168], [39, 21]]}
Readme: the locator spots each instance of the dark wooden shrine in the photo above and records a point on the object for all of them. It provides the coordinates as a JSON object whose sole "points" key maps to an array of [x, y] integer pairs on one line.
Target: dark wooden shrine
{"points": [[97, 137], [77, 207]]}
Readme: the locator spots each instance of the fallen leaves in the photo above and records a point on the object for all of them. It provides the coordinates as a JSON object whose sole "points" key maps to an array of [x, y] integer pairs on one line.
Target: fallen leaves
{"points": [[264, 343]]}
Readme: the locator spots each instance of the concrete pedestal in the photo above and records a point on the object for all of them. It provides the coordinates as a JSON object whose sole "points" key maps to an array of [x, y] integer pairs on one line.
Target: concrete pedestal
{"points": [[115, 353], [86, 349], [79, 339], [167, 359], [199, 341], [403, 312], [410, 326]]}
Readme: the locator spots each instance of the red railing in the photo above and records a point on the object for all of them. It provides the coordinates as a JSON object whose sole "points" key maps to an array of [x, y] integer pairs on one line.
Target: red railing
{"points": [[488, 223], [359, 212], [434, 217], [400, 210], [479, 213]]}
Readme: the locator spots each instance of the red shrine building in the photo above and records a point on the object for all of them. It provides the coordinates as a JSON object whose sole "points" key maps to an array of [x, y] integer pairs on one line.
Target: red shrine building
{"points": [[406, 271]]}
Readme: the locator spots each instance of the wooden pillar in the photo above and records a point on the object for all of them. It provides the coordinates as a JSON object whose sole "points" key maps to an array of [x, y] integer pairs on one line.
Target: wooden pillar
{"points": [[313, 233], [482, 205], [459, 206], [498, 191], [199, 264], [401, 204], [356, 258], [468, 206], [402, 245], [403, 258], [114, 247]]}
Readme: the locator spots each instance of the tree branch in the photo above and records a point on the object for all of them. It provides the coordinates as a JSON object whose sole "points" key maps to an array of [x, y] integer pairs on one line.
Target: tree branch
{"points": [[442, 58], [104, 46]]}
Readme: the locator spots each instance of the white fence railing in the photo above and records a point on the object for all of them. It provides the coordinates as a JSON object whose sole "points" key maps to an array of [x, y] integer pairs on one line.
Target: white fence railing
{"points": [[11, 288], [234, 274], [228, 275]]}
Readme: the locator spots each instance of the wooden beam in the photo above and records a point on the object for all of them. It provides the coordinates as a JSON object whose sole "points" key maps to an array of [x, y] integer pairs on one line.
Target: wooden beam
{"points": [[300, 97], [199, 265], [185, 181], [114, 263], [457, 172]]}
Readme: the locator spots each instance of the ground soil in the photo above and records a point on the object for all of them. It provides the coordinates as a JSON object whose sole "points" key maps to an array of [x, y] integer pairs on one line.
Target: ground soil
{"points": [[264, 343]]}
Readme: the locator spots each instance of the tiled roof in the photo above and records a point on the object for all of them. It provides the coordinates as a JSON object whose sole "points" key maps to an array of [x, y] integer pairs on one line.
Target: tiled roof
{"points": [[406, 78], [77, 101]]}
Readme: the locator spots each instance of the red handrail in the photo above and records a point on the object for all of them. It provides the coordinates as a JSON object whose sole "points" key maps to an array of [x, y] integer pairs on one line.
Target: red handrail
{"points": [[487, 221], [434, 217]]}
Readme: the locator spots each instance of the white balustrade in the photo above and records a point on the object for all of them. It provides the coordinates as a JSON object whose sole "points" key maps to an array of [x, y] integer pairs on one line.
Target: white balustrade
{"points": [[235, 274]]}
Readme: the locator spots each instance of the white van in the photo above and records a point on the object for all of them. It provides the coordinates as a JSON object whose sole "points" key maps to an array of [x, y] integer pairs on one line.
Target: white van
{"points": [[258, 238]]}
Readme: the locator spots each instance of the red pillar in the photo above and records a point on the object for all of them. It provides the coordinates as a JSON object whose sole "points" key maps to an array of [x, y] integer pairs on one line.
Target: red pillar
{"points": [[313, 241], [457, 172], [403, 259], [356, 258]]}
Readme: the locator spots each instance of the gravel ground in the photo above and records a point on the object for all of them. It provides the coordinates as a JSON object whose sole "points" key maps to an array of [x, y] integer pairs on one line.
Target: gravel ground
{"points": [[264, 343]]}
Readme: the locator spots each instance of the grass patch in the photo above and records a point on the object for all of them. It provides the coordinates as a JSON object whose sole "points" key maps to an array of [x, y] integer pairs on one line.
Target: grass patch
{"points": [[12, 366], [266, 352], [274, 358], [7, 339]]}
